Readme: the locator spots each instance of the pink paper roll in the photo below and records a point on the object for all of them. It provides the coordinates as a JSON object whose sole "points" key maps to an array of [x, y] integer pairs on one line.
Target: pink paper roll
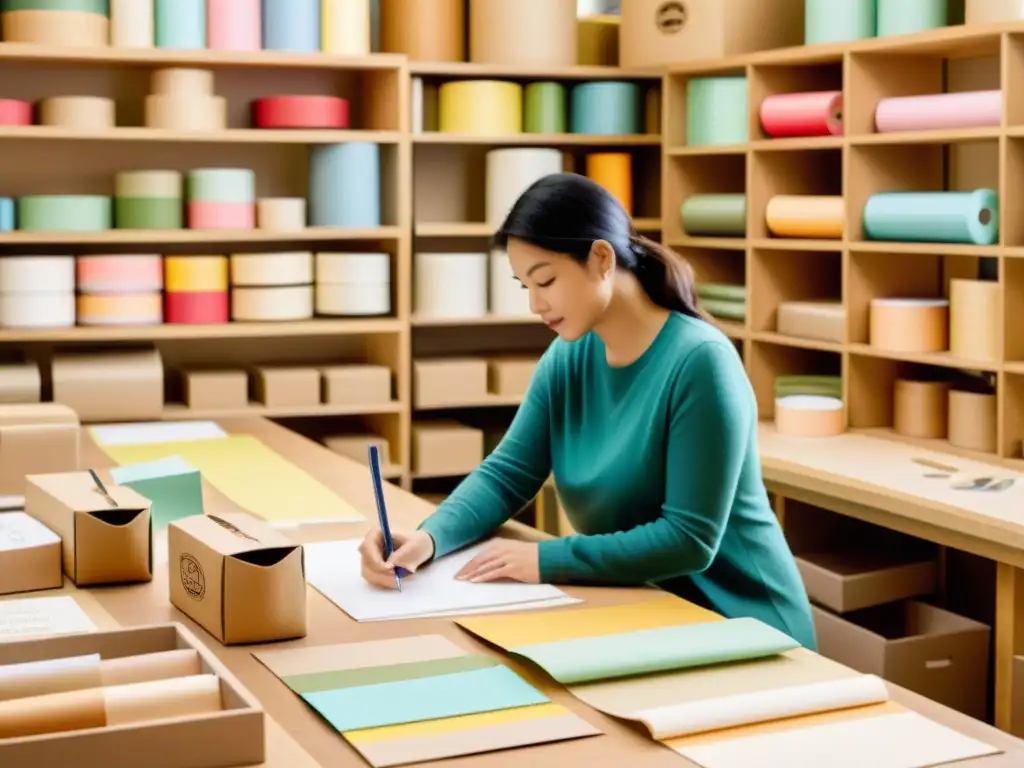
{"points": [[221, 215], [939, 111], [233, 25], [120, 273], [815, 113]]}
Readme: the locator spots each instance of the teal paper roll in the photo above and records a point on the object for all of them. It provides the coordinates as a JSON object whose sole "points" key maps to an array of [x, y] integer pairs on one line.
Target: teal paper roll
{"points": [[934, 217], [7, 214], [836, 21], [716, 111], [545, 108], [344, 185], [907, 16], [714, 215], [101, 7], [606, 108], [222, 185], [65, 213], [180, 24]]}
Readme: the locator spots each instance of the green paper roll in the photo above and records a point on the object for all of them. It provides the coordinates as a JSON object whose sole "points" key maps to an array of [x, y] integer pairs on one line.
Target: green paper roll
{"points": [[934, 217], [714, 215], [101, 7], [65, 213], [836, 21], [908, 16], [825, 386], [724, 291], [148, 213], [222, 185], [724, 309], [546, 108], [716, 111]]}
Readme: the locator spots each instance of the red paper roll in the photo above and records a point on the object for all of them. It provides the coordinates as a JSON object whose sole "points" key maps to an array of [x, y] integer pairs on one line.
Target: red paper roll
{"points": [[203, 215], [300, 112], [200, 308], [818, 113], [14, 112]]}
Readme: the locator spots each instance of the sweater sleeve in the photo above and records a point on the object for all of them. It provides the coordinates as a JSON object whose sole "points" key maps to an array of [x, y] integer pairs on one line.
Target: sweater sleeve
{"points": [[713, 416], [507, 479]]}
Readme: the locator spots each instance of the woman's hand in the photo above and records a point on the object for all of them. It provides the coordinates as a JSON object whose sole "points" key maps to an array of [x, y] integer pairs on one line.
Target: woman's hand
{"points": [[410, 553], [504, 559]]}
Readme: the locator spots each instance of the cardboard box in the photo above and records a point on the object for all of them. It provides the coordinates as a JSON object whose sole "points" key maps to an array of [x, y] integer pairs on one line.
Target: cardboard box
{"points": [[101, 543], [21, 383], [238, 578], [111, 386], [510, 376], [173, 486], [212, 390], [356, 385], [989, 11], [286, 386], [30, 555], [35, 438], [232, 737], [446, 448], [450, 381]]}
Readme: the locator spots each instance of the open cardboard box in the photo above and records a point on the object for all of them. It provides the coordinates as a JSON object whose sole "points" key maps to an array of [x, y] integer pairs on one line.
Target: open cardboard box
{"points": [[226, 739]]}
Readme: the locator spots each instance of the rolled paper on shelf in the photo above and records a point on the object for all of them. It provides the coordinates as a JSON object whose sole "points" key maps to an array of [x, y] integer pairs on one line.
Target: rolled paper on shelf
{"points": [[353, 268], [939, 111], [450, 284], [180, 24], [65, 213], [222, 185], [509, 172], [300, 112], [37, 274], [234, 25], [272, 304], [480, 107], [714, 215], [827, 386], [810, 416], [55, 309], [972, 423], [811, 216], [196, 308], [909, 324], [119, 273], [149, 184], [920, 409], [538, 33], [132, 24], [909, 16], [100, 7], [83, 113], [605, 108], [58, 28], [424, 30], [416, 115], [15, 112], [344, 185], [182, 81], [614, 172], [255, 269], [120, 308], [345, 27], [545, 108], [148, 213], [716, 111], [837, 21], [975, 319], [506, 296], [281, 214], [992, 11], [725, 309], [186, 112], [815, 113], [8, 221], [352, 299], [203, 215], [291, 25], [722, 291], [823, 320], [195, 274], [934, 217]]}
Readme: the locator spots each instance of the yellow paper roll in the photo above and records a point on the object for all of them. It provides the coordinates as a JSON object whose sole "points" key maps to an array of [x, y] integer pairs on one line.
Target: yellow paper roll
{"points": [[58, 28], [345, 27], [481, 107], [614, 172], [195, 274], [811, 216], [84, 113]]}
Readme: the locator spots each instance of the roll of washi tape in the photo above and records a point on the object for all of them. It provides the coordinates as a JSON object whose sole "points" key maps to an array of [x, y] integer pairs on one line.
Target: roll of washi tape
{"points": [[939, 111], [344, 185], [509, 172], [614, 172], [255, 269], [714, 215], [37, 310], [281, 214], [65, 213], [300, 112], [424, 30], [345, 27], [222, 185], [66, 28], [352, 299], [975, 319], [178, 81], [973, 420], [920, 409], [934, 217], [186, 113], [506, 295], [120, 273], [203, 215], [180, 24], [480, 107], [37, 274], [499, 31], [148, 213], [909, 16], [83, 113], [197, 308], [813, 216], [132, 24], [815, 113], [716, 111], [8, 221], [157, 183], [810, 416], [450, 284], [837, 21], [355, 268], [909, 324], [605, 108], [546, 108], [120, 309], [273, 304], [195, 274], [233, 25], [291, 25], [15, 112]]}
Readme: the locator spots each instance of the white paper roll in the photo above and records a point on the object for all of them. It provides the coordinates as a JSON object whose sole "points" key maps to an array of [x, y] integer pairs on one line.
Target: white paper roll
{"points": [[272, 268], [510, 172], [131, 23], [37, 274], [347, 299], [416, 113], [281, 214], [508, 297], [272, 304], [37, 310], [353, 268], [346, 27], [450, 284]]}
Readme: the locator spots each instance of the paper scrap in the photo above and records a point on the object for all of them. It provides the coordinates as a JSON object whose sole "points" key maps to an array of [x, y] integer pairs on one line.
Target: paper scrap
{"points": [[153, 432], [173, 485], [22, 618], [21, 531]]}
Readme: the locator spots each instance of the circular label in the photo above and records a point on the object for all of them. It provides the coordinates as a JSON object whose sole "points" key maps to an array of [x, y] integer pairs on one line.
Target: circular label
{"points": [[670, 18], [192, 578]]}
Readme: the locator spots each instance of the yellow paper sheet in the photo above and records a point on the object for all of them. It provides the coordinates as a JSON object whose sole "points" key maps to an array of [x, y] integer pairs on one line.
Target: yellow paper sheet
{"points": [[253, 476]]}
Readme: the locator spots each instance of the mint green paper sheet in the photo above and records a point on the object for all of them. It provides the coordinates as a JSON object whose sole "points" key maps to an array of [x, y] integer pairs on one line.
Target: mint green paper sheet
{"points": [[173, 485], [657, 650]]}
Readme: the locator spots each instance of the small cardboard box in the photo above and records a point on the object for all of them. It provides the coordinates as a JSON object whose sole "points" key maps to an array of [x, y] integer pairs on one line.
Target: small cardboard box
{"points": [[446, 448], [238, 578], [30, 555], [173, 486], [286, 386], [449, 381], [356, 385], [21, 383], [123, 385], [35, 438], [101, 543], [510, 376], [211, 390], [234, 736]]}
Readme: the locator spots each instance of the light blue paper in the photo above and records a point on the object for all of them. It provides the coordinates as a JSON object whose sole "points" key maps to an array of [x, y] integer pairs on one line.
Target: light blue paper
{"points": [[174, 487]]}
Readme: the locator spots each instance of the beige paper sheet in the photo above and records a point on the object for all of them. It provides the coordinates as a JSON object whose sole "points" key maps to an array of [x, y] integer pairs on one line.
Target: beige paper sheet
{"points": [[287, 662]]}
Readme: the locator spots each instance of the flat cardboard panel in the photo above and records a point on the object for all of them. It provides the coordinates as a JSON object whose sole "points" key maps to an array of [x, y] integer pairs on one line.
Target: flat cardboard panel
{"points": [[35, 438]]}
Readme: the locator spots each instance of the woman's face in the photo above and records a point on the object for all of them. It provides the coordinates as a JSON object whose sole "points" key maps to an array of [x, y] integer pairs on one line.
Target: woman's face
{"points": [[569, 297]]}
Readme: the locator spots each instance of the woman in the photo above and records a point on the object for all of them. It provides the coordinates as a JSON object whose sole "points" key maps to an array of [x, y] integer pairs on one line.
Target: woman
{"points": [[642, 410]]}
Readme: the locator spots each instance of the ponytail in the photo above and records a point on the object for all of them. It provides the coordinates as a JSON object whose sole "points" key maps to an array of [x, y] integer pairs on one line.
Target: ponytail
{"points": [[666, 277]]}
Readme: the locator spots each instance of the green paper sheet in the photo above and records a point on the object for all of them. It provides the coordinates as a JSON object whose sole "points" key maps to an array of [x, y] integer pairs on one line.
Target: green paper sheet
{"points": [[173, 485]]}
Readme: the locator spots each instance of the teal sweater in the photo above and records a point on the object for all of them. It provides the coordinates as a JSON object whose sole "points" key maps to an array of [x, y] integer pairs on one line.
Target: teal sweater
{"points": [[656, 465]]}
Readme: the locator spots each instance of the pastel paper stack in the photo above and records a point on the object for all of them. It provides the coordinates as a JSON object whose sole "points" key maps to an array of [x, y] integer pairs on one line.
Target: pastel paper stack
{"points": [[173, 485]]}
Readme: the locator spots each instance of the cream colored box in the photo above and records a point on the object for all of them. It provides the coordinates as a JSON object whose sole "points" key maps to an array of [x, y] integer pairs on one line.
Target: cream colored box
{"points": [[111, 386], [510, 376], [21, 383], [822, 320], [30, 555], [215, 389], [356, 385], [446, 448], [35, 438], [449, 381], [286, 386]]}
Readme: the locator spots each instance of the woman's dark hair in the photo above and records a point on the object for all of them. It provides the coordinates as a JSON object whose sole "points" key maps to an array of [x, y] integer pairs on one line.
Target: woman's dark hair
{"points": [[567, 213]]}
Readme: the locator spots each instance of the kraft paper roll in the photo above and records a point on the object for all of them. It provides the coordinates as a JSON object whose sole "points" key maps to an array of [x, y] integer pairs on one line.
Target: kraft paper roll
{"points": [[180, 24], [450, 284], [158, 184], [149, 667], [975, 319], [345, 28], [182, 81], [506, 295], [938, 217], [352, 299], [83, 113], [120, 309], [545, 108], [909, 324], [824, 320], [58, 28], [15, 112], [815, 113], [65, 213], [480, 107], [344, 185], [162, 699], [37, 274], [220, 215], [132, 24], [424, 30], [353, 268], [992, 11], [614, 172], [605, 108], [222, 185], [300, 112], [256, 269], [8, 220], [195, 274], [39, 678], [909, 16], [281, 214], [509, 172], [714, 215], [810, 416], [186, 112], [233, 25], [813, 216], [291, 25], [920, 408], [938, 111], [716, 111], [836, 21], [972, 421], [197, 308], [523, 32], [274, 304], [148, 213], [37, 310], [120, 273], [53, 713]]}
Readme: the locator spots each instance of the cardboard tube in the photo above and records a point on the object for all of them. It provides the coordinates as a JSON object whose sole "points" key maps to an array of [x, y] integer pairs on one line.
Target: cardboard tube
{"points": [[814, 216], [149, 667], [53, 713], [810, 416], [614, 172], [523, 32], [909, 325], [975, 317], [972, 421], [424, 30], [920, 408], [162, 699], [39, 678]]}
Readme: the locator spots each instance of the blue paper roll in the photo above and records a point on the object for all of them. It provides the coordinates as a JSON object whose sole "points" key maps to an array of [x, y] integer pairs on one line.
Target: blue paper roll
{"points": [[344, 185], [605, 108], [7, 222], [934, 217], [180, 24], [291, 25]]}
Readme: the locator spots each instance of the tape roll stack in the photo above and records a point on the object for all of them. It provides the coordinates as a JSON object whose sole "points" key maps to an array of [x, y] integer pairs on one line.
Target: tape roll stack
{"points": [[450, 284], [180, 24], [56, 22], [969, 109], [82, 113], [271, 286], [523, 32], [815, 113], [714, 215], [614, 172], [353, 284], [425, 30], [65, 213], [810, 416], [148, 200], [716, 111], [234, 25], [8, 220], [940, 217], [346, 27], [37, 291], [480, 107], [606, 108], [837, 21], [281, 214], [806, 216], [221, 198], [291, 25], [132, 24], [545, 108], [300, 112], [196, 289], [509, 172], [506, 295], [120, 289], [909, 324], [15, 112], [344, 185], [724, 301], [184, 100]]}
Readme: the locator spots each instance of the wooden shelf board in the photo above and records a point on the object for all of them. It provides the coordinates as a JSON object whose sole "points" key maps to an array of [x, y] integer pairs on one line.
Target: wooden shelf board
{"points": [[944, 249], [437, 476], [940, 359], [480, 229], [319, 327], [519, 72], [781, 339], [469, 322], [542, 139], [181, 412], [172, 236], [962, 135], [492, 401], [231, 135], [1014, 367], [941, 446], [724, 243], [707, 149], [794, 244]]}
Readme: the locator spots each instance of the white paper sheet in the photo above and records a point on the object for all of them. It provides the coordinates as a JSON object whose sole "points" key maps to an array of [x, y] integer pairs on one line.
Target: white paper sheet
{"points": [[155, 432], [27, 617], [332, 568], [19, 531]]}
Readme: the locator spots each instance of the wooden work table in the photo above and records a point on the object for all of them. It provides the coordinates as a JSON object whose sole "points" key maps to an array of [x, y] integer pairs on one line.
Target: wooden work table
{"points": [[294, 724]]}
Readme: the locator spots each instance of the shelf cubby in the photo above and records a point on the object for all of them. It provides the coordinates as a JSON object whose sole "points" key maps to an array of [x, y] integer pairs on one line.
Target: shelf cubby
{"points": [[767, 360], [689, 175], [1013, 311], [776, 79], [790, 172], [778, 276]]}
